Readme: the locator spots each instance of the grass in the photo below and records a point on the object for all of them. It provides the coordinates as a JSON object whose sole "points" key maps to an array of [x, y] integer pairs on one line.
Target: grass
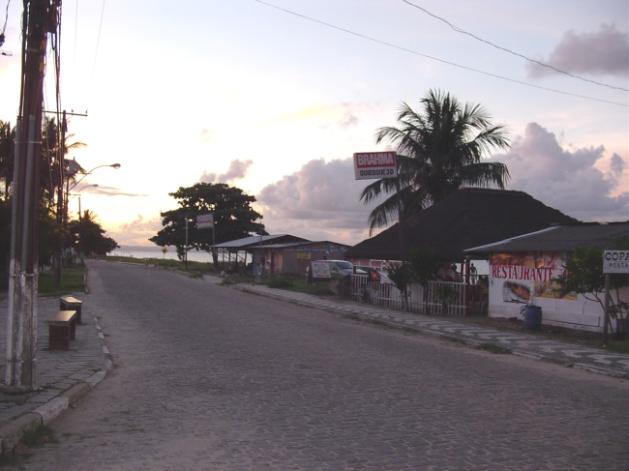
{"points": [[72, 279], [491, 348], [38, 436]]}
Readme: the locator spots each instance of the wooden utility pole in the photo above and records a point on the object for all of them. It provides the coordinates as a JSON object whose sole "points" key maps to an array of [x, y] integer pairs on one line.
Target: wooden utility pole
{"points": [[39, 17], [61, 152]]}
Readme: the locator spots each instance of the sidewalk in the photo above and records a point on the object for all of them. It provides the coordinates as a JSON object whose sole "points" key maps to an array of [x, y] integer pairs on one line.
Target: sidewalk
{"points": [[526, 345], [62, 376]]}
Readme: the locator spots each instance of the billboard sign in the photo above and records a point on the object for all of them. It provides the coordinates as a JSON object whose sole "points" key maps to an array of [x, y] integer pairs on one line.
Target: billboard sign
{"points": [[205, 221], [616, 261], [374, 165]]}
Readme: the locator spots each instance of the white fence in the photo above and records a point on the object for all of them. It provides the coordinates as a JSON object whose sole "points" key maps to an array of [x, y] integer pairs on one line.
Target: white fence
{"points": [[436, 298]]}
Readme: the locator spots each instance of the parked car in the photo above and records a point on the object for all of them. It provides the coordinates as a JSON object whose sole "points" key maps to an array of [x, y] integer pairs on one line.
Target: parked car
{"points": [[336, 268]]}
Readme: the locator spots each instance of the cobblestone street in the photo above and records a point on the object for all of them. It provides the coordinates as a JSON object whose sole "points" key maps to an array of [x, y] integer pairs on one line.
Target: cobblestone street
{"points": [[209, 377]]}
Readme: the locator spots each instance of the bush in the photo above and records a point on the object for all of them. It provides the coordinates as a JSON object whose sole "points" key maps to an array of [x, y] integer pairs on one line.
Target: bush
{"points": [[280, 282]]}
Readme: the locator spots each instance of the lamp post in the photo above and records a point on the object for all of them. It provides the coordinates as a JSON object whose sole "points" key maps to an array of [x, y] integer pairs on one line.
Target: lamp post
{"points": [[185, 256], [78, 195]]}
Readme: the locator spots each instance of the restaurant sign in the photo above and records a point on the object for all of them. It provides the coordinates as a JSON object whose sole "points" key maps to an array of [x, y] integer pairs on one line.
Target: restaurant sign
{"points": [[374, 165], [524, 277], [615, 261]]}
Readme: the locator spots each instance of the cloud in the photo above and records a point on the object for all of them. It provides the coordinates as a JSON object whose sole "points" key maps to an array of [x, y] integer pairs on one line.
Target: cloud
{"points": [[110, 191], [343, 115], [617, 165], [136, 232], [565, 179], [320, 201], [236, 171], [604, 52]]}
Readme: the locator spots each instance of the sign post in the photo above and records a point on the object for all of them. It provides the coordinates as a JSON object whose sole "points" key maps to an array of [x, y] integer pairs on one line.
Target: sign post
{"points": [[206, 221], [373, 165], [614, 262]]}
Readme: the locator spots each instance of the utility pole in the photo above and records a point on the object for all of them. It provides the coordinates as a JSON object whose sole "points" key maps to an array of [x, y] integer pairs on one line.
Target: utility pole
{"points": [[39, 18], [61, 152]]}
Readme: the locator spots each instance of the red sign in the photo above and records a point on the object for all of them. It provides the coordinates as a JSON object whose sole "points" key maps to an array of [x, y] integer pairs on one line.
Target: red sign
{"points": [[372, 165]]}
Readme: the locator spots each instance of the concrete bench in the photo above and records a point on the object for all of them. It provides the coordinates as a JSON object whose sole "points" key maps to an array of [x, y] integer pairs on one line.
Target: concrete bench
{"points": [[70, 303], [61, 329]]}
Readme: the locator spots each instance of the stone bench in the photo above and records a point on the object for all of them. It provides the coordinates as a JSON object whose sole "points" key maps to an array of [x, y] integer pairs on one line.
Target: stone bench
{"points": [[61, 329], [70, 303]]}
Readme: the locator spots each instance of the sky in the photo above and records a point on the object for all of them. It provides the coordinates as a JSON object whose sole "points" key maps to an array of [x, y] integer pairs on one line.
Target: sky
{"points": [[252, 95]]}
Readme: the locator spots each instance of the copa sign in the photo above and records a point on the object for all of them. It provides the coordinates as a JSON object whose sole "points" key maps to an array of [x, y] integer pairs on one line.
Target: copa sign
{"points": [[616, 261], [371, 165]]}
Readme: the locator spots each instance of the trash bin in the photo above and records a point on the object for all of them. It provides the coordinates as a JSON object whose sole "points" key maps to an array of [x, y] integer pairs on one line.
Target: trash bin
{"points": [[532, 316]]}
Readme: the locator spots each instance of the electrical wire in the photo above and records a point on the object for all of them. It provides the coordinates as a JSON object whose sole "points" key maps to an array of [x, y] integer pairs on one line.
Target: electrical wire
{"points": [[510, 51], [437, 59]]}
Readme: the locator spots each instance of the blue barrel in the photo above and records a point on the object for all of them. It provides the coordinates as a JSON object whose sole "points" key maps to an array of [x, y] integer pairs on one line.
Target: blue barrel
{"points": [[532, 317]]}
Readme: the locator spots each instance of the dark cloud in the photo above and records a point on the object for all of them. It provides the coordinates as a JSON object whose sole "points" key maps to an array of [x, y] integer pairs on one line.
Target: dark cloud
{"points": [[565, 179], [604, 52], [320, 201], [236, 171]]}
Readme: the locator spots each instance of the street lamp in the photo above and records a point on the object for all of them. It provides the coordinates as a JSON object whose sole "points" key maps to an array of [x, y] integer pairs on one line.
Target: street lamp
{"points": [[115, 166]]}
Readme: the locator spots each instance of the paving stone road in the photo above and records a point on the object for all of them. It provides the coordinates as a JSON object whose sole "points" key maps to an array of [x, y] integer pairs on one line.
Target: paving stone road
{"points": [[208, 377]]}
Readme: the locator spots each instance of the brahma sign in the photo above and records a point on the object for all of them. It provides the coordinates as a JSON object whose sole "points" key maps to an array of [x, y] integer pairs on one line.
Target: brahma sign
{"points": [[372, 165]]}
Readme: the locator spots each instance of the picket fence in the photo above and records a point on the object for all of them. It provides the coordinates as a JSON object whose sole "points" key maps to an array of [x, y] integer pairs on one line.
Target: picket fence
{"points": [[436, 298]]}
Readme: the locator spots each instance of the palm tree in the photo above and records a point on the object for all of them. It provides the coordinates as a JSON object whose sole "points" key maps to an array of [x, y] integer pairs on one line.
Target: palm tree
{"points": [[439, 150]]}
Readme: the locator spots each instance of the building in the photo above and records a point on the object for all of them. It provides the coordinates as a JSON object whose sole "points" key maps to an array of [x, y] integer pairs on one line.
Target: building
{"points": [[466, 218], [292, 258], [524, 270], [239, 251]]}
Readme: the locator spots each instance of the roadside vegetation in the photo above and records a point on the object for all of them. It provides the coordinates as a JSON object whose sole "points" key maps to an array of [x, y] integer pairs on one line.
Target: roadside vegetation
{"points": [[72, 280]]}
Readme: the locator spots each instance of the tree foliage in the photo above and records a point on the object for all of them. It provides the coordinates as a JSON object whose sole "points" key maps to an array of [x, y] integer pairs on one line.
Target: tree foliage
{"points": [[584, 275], [439, 149], [234, 217]]}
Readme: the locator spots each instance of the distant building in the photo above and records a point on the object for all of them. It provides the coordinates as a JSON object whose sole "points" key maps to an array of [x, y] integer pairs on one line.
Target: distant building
{"points": [[292, 258]]}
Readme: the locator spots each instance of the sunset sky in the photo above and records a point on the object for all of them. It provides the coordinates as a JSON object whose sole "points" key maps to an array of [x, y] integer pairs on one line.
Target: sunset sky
{"points": [[275, 103]]}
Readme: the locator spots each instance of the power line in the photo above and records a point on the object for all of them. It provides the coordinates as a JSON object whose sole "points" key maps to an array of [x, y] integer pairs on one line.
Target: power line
{"points": [[510, 51], [436, 59]]}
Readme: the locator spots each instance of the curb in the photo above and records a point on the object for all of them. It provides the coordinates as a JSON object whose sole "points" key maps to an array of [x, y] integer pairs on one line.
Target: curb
{"points": [[353, 313], [11, 433]]}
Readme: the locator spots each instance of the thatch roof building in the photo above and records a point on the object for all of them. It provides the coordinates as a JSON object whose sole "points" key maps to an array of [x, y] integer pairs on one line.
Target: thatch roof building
{"points": [[467, 218]]}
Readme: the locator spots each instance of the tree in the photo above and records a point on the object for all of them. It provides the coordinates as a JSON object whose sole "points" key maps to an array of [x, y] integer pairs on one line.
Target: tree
{"points": [[439, 149], [88, 236], [584, 276], [233, 217]]}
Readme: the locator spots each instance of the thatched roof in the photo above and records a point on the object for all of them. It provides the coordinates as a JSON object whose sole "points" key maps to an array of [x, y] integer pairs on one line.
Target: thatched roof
{"points": [[467, 218]]}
